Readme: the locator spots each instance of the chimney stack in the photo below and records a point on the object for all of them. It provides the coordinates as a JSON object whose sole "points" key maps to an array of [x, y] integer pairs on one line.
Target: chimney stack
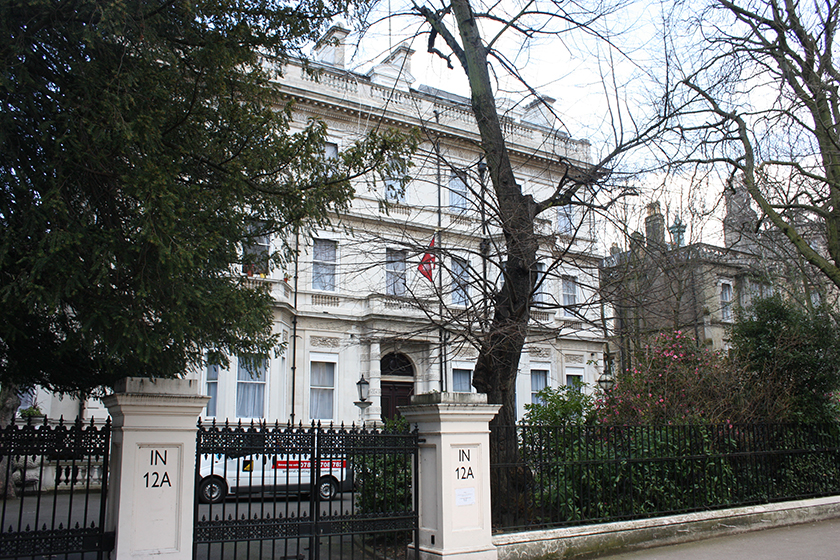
{"points": [[655, 226]]}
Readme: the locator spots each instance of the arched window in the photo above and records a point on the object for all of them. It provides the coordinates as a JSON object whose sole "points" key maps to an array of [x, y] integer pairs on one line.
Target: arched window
{"points": [[396, 364]]}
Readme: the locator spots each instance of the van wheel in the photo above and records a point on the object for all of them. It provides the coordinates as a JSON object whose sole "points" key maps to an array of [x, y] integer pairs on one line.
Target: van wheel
{"points": [[212, 490], [327, 488]]}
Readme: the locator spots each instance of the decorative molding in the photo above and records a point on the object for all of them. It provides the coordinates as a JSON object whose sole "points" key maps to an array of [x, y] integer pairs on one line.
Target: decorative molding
{"points": [[537, 352], [324, 341], [574, 358]]}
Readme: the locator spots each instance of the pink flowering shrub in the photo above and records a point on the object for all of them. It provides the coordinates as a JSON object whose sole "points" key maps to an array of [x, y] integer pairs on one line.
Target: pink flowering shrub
{"points": [[673, 381]]}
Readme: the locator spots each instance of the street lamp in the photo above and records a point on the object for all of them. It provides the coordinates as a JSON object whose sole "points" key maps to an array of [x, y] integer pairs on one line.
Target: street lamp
{"points": [[606, 382], [363, 387]]}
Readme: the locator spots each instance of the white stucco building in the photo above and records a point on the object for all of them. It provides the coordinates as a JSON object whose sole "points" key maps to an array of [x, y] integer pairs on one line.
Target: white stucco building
{"points": [[356, 305]]}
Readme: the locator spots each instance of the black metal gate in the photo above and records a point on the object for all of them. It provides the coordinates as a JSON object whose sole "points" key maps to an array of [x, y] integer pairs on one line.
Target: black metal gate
{"points": [[55, 481], [307, 493]]}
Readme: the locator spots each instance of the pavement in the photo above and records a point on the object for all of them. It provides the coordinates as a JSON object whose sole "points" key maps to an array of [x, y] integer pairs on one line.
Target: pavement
{"points": [[808, 541]]}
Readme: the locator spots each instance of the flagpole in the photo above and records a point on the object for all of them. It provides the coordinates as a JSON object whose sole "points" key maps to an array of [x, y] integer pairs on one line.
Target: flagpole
{"points": [[439, 242]]}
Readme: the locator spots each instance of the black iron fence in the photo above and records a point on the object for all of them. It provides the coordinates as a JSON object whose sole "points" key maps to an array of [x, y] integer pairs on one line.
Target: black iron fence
{"points": [[272, 491], [581, 474], [54, 483]]}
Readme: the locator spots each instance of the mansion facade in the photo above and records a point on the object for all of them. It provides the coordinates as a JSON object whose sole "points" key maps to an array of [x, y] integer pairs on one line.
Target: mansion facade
{"points": [[394, 292]]}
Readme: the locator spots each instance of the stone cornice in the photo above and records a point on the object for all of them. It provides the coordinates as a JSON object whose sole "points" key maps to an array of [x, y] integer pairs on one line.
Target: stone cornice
{"points": [[347, 97]]}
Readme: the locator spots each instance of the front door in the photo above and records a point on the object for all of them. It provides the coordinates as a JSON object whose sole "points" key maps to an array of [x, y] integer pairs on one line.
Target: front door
{"points": [[394, 394]]}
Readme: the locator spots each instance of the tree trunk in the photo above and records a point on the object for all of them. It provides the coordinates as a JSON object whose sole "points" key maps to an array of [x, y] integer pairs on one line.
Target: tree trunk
{"points": [[498, 360]]}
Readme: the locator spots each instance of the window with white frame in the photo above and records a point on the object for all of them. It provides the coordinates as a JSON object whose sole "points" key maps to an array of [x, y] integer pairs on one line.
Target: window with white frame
{"points": [[323, 265], [756, 290], [330, 150], [461, 380], [255, 253], [394, 189], [726, 301], [569, 294], [566, 220], [542, 293], [395, 272], [322, 377], [250, 389], [458, 201], [460, 281], [574, 377], [539, 381], [212, 388]]}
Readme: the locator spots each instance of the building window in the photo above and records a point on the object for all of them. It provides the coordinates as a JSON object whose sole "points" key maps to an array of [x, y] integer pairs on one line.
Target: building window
{"points": [[323, 265], [566, 220], [574, 377], [250, 390], [395, 272], [394, 189], [458, 202], [321, 389], [569, 294], [539, 381], [756, 291], [726, 301], [28, 398], [542, 295], [255, 251], [460, 282], [212, 387], [330, 150], [461, 381]]}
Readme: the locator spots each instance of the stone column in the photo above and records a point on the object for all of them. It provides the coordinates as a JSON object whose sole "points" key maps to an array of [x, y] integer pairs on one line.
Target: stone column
{"points": [[152, 480], [454, 477], [374, 411]]}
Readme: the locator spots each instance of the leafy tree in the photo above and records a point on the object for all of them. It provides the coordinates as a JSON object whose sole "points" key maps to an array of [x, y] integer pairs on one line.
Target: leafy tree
{"points": [[143, 147], [792, 359]]}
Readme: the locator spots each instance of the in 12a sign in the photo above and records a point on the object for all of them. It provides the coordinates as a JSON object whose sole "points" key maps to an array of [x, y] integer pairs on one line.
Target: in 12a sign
{"points": [[463, 468], [157, 476]]}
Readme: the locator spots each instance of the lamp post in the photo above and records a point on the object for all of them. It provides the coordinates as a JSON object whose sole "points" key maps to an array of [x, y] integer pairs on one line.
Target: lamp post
{"points": [[363, 387], [485, 242], [606, 382]]}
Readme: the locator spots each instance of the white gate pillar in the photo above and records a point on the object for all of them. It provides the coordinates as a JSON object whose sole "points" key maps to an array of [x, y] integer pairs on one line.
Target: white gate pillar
{"points": [[152, 469], [454, 477]]}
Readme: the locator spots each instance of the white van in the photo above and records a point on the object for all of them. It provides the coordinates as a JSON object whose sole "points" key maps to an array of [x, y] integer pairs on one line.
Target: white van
{"points": [[222, 476]]}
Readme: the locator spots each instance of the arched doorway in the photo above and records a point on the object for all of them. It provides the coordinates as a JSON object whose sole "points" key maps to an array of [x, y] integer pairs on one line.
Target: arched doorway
{"points": [[397, 383]]}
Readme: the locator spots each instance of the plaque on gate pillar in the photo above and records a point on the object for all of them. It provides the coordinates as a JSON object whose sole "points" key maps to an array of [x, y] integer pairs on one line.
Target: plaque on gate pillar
{"points": [[156, 499]]}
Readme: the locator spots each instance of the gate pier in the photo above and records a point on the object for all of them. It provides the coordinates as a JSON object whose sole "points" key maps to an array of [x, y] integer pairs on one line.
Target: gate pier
{"points": [[454, 475], [152, 457]]}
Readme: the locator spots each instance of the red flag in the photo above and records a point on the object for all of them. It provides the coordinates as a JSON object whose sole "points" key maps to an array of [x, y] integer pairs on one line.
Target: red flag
{"points": [[427, 263]]}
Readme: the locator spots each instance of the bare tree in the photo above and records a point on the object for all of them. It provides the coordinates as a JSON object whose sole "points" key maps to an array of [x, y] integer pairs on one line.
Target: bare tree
{"points": [[760, 99], [469, 34]]}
